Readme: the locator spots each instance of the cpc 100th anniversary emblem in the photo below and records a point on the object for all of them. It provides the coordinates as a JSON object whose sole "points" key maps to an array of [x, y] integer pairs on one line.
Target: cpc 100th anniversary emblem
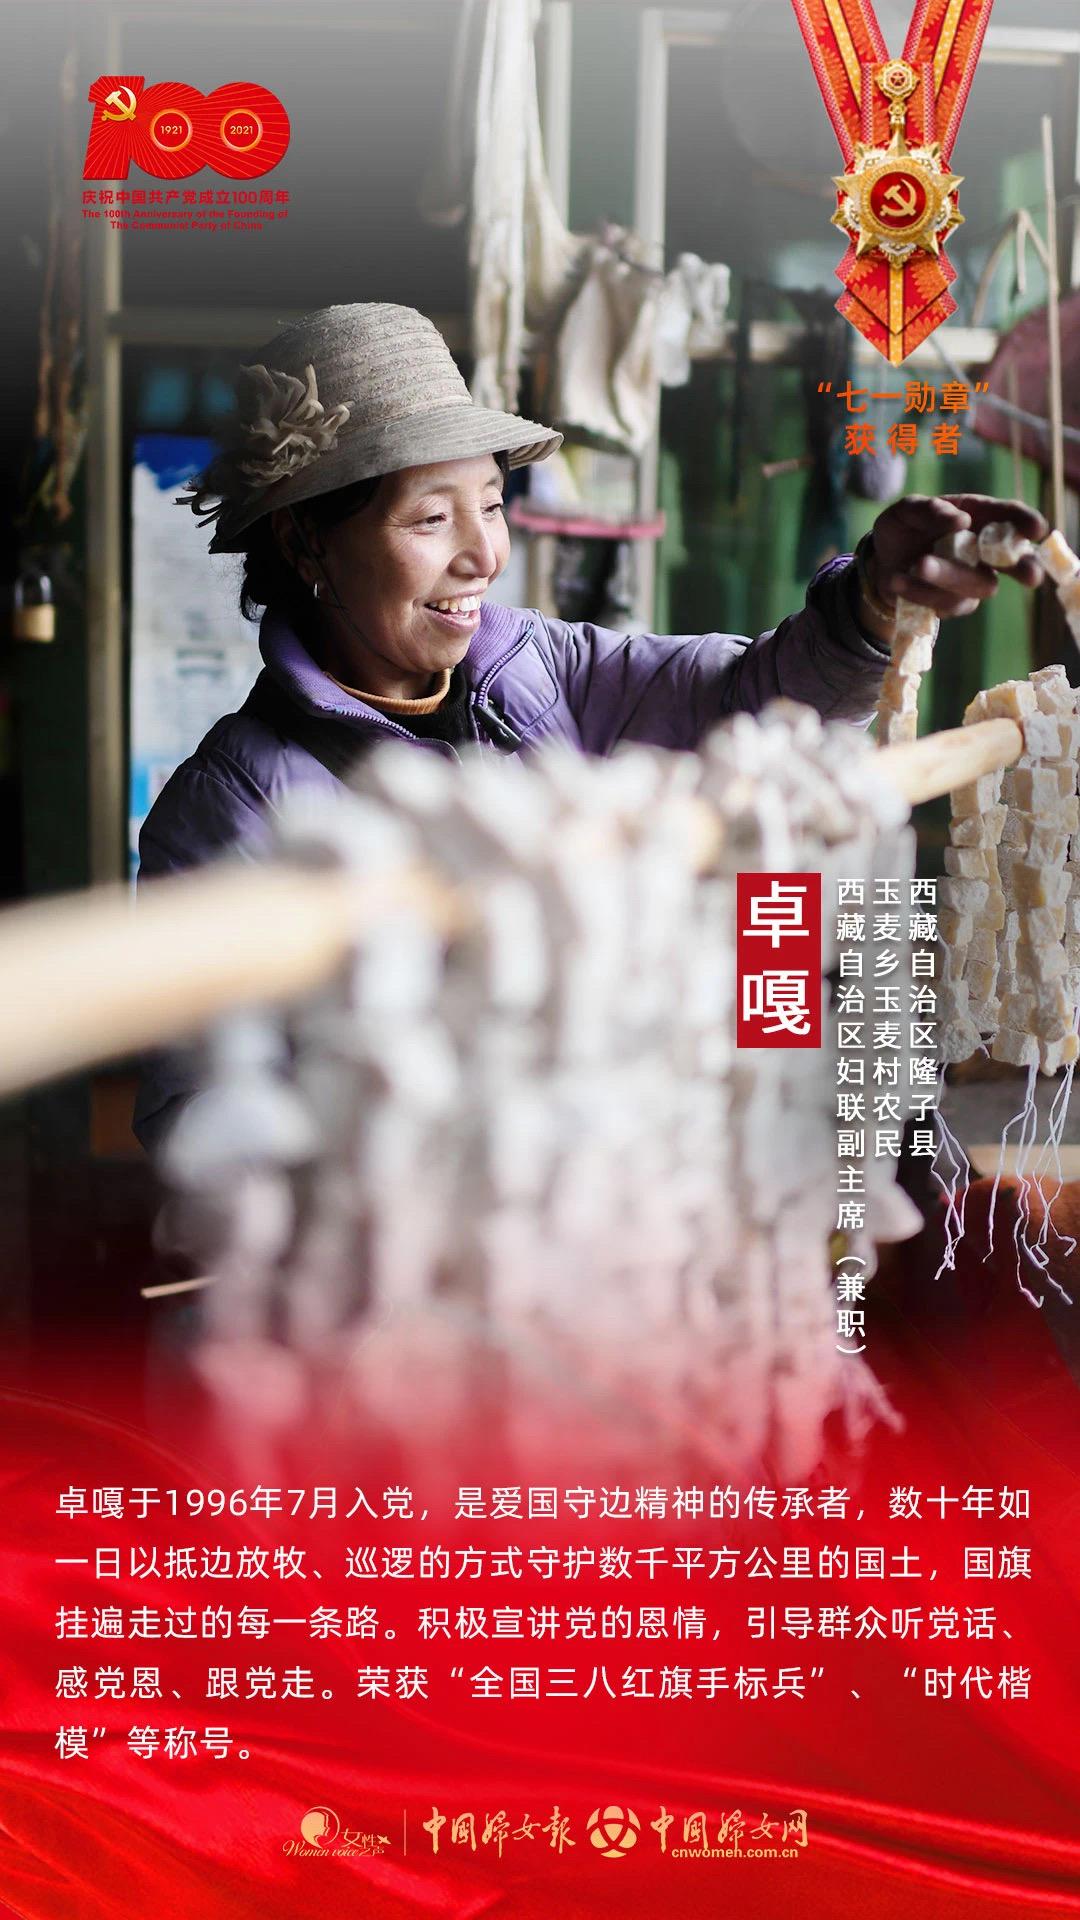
{"points": [[171, 130]]}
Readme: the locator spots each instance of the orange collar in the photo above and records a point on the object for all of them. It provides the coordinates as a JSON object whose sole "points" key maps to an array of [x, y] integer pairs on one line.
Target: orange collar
{"points": [[429, 704]]}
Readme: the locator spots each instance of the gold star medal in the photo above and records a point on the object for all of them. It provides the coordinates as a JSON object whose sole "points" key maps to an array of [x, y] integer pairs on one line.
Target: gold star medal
{"points": [[898, 200], [896, 122]]}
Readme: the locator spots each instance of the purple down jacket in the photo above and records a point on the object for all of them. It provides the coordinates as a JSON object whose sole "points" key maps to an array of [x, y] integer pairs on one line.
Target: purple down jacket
{"points": [[548, 681]]}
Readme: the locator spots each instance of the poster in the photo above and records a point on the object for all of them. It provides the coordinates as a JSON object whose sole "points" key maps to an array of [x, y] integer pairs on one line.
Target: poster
{"points": [[571, 1446], [192, 656]]}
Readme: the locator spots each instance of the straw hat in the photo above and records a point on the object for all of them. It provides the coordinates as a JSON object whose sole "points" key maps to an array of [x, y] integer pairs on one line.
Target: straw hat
{"points": [[348, 393]]}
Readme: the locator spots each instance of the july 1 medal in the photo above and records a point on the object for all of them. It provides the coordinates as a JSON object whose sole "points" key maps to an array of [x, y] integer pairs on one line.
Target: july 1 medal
{"points": [[896, 121]]}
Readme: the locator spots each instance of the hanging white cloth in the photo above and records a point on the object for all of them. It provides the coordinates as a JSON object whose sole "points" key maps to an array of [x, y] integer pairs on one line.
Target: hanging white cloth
{"points": [[602, 376], [520, 252], [692, 316], [614, 328], [628, 331]]}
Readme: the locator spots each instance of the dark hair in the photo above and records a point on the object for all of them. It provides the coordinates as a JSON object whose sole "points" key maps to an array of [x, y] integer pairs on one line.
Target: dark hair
{"points": [[270, 579]]}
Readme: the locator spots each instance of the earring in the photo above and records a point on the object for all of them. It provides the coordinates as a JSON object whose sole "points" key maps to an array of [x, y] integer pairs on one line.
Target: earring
{"points": [[315, 591]]}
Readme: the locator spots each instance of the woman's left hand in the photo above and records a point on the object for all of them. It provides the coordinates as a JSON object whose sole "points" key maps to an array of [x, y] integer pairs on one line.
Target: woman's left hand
{"points": [[902, 565]]}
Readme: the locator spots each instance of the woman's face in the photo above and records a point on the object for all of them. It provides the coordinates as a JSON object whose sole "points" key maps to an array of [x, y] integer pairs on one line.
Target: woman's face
{"points": [[412, 569]]}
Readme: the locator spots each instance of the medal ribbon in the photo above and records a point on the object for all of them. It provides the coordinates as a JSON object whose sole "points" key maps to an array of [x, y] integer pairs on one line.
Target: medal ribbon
{"points": [[895, 306]]}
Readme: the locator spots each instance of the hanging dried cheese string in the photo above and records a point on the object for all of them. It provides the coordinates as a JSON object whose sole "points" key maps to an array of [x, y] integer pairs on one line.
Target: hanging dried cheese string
{"points": [[912, 656], [1011, 914], [532, 1148], [1012, 965], [998, 545], [1001, 546], [913, 648]]}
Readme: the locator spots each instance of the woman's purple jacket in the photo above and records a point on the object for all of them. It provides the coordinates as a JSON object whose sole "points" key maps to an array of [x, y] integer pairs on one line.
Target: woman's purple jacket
{"points": [[548, 681]]}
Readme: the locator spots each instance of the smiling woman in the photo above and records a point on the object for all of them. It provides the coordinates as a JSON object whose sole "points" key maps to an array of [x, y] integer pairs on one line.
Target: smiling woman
{"points": [[364, 489], [400, 584]]}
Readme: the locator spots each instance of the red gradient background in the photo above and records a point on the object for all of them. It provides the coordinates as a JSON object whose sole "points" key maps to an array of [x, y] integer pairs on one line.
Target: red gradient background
{"points": [[914, 1805]]}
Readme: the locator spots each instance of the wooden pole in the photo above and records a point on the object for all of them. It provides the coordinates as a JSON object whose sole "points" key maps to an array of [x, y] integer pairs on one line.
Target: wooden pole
{"points": [[89, 978], [927, 769], [1053, 321], [1015, 434]]}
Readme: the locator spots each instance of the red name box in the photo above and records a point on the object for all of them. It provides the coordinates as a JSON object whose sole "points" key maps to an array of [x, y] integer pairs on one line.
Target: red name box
{"points": [[778, 960]]}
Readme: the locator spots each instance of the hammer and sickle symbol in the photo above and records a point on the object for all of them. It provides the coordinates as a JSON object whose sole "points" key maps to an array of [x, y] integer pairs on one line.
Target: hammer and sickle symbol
{"points": [[903, 199], [125, 103]]}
